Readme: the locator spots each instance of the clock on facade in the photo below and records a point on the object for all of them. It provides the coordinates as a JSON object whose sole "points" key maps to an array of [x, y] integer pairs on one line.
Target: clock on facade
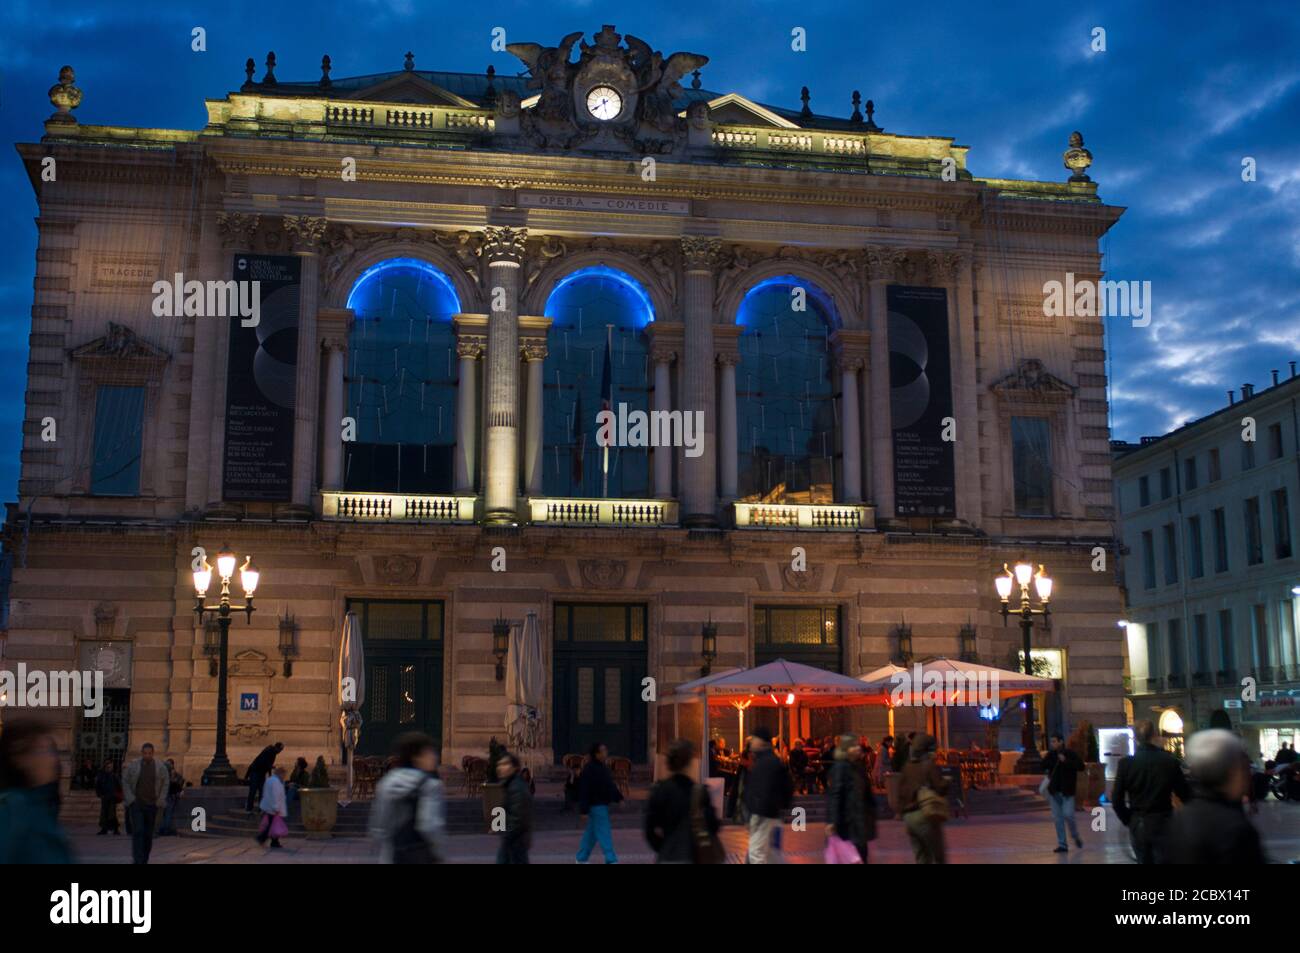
{"points": [[604, 102]]}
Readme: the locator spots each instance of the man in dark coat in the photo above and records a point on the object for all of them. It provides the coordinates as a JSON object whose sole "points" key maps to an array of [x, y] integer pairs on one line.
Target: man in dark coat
{"points": [[258, 771], [596, 792], [1212, 828], [850, 804], [518, 833], [769, 793], [1144, 787], [670, 810], [1062, 767]]}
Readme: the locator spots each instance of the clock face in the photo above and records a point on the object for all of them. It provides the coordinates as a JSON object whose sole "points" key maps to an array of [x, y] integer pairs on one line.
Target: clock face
{"points": [[604, 103]]}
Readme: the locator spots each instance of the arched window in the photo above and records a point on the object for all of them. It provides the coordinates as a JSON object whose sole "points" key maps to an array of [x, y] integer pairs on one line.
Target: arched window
{"points": [[597, 314], [785, 397], [401, 379]]}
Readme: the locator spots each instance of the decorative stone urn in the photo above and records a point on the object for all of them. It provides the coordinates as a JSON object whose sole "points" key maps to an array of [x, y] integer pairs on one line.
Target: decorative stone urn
{"points": [[65, 96], [320, 810]]}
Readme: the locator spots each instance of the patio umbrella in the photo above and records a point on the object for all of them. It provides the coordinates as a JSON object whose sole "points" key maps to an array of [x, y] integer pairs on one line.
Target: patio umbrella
{"points": [[525, 686], [352, 689]]}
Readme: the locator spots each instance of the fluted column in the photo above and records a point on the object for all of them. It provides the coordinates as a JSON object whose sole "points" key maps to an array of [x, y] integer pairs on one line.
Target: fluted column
{"points": [[331, 429], [306, 233], [728, 448], [503, 250], [883, 264], [951, 270], [851, 455], [701, 258], [534, 354], [469, 349]]}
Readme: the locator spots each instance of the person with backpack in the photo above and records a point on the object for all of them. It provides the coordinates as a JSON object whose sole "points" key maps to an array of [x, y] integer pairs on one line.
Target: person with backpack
{"points": [[921, 800], [408, 818], [680, 824]]}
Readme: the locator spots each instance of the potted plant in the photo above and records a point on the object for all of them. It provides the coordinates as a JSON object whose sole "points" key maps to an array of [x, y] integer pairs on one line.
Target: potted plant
{"points": [[320, 802]]}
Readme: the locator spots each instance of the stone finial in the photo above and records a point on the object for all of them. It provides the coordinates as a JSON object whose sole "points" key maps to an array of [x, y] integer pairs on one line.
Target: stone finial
{"points": [[65, 97], [249, 67], [490, 94], [857, 107], [409, 65], [806, 112], [695, 80], [1077, 159], [871, 113], [325, 80], [269, 78]]}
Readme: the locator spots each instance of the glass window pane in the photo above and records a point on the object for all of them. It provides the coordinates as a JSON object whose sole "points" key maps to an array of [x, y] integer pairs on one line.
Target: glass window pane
{"points": [[435, 620], [562, 623], [638, 623], [395, 620], [119, 423], [1032, 466], [586, 696], [406, 710], [613, 696], [377, 694]]}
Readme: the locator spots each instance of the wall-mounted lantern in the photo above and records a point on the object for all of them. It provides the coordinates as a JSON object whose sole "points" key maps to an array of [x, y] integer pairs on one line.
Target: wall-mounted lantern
{"points": [[708, 646], [500, 645]]}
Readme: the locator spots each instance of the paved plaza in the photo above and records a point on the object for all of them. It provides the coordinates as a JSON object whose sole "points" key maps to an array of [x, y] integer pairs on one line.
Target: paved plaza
{"points": [[1009, 839]]}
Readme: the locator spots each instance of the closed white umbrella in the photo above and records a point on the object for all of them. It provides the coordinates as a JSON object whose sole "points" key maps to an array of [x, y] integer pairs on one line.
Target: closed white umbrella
{"points": [[352, 689], [525, 685]]}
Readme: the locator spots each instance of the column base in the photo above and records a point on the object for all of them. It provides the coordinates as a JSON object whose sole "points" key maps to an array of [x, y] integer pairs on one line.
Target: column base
{"points": [[700, 521], [1031, 762], [294, 511]]}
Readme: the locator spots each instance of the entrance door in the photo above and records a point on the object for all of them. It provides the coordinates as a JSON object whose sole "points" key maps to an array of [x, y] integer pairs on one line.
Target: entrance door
{"points": [[402, 642], [105, 737], [600, 662]]}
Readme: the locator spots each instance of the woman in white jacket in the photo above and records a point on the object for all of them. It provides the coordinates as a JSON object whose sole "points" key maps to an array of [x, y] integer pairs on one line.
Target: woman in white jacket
{"points": [[408, 817], [274, 809]]}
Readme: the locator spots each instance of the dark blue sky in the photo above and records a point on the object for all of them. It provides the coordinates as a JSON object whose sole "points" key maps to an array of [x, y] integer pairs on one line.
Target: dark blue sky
{"points": [[1182, 94]]}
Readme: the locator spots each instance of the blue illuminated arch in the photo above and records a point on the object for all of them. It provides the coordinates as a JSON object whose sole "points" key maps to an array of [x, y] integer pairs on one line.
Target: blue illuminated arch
{"points": [[785, 393], [402, 379], [580, 307]]}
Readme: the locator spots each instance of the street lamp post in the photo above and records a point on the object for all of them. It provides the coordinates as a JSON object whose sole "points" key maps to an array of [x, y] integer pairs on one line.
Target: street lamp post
{"points": [[1030, 762], [220, 771]]}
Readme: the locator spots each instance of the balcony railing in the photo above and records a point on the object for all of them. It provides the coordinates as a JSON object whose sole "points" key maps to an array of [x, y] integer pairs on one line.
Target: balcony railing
{"points": [[579, 512], [397, 507], [828, 516]]}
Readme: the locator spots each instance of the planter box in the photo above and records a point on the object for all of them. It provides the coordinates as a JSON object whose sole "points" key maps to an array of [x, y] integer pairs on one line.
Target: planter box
{"points": [[320, 810]]}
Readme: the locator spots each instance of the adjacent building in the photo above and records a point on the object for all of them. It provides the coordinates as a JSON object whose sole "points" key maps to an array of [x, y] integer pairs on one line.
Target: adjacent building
{"points": [[1208, 527], [860, 408]]}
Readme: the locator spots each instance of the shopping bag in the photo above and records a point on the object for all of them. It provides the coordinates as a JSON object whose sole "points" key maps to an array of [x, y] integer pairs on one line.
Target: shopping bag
{"points": [[278, 827], [841, 851]]}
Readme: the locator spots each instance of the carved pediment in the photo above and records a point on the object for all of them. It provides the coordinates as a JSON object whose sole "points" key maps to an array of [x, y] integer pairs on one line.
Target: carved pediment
{"points": [[412, 89], [734, 109], [251, 663], [603, 573], [1031, 380], [120, 344]]}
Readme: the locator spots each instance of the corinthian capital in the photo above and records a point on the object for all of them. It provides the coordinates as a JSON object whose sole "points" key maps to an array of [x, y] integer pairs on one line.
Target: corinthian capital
{"points": [[944, 265], [237, 229], [701, 253], [502, 243], [307, 231], [885, 263]]}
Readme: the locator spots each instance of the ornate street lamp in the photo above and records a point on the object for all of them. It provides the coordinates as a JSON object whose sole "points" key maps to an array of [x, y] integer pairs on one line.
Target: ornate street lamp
{"points": [[220, 771], [1030, 762], [500, 645], [708, 646]]}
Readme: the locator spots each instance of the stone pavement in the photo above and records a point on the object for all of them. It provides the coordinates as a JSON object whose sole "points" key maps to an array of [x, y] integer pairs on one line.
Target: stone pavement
{"points": [[1007, 839]]}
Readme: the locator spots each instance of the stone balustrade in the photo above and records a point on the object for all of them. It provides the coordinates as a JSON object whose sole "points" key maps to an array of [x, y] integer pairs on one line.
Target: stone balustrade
{"points": [[397, 507], [829, 516]]}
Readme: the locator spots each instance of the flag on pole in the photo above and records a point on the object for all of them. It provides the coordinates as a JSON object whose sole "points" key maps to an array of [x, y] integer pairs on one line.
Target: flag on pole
{"points": [[579, 441], [606, 403]]}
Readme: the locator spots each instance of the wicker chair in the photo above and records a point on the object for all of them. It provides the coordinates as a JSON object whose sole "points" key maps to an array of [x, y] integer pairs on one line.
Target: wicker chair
{"points": [[621, 769], [475, 770]]}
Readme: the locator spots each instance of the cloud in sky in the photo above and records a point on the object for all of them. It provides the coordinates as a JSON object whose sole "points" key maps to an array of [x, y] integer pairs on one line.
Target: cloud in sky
{"points": [[1169, 111]]}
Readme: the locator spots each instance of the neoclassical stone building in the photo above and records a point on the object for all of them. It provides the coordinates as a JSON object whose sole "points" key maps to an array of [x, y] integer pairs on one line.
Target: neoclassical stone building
{"points": [[457, 272]]}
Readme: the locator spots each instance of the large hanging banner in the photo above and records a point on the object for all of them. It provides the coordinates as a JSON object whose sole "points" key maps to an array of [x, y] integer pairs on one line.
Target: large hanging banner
{"points": [[262, 383], [920, 382]]}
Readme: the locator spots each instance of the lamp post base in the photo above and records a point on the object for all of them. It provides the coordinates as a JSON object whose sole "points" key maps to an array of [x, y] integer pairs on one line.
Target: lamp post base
{"points": [[1031, 762], [220, 773]]}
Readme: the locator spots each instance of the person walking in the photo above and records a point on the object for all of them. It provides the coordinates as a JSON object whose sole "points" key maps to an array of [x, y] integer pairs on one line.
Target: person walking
{"points": [[769, 793], [275, 808], [596, 792], [884, 760], [258, 770], [1212, 828], [108, 788], [850, 803], [408, 819], [1145, 784], [1062, 767], [681, 826], [921, 802], [175, 789], [144, 787], [518, 820], [30, 832]]}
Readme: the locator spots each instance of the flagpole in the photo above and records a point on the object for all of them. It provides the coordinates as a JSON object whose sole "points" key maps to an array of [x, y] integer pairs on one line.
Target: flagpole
{"points": [[609, 405]]}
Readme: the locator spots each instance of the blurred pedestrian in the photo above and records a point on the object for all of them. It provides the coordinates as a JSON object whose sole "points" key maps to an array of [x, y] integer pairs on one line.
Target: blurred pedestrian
{"points": [[144, 788], [921, 800], [1062, 767], [108, 788], [680, 824], [769, 793], [409, 817], [275, 808], [299, 778], [175, 790], [850, 803], [1212, 827], [256, 774], [884, 760], [29, 831], [517, 826], [596, 792], [1145, 784]]}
